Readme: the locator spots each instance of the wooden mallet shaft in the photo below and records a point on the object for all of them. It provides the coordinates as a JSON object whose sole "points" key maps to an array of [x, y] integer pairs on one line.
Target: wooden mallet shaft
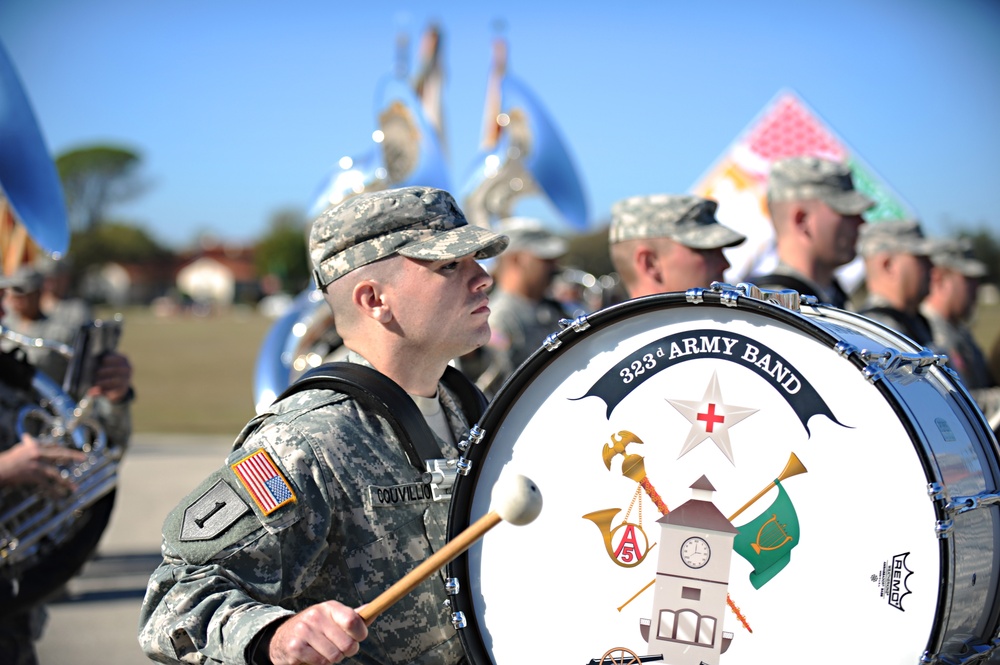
{"points": [[517, 500], [452, 549]]}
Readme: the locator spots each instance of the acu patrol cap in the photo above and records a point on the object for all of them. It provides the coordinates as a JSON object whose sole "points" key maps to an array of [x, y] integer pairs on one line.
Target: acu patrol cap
{"points": [[26, 279], [689, 220], [416, 222], [530, 235], [808, 178], [955, 254], [901, 236]]}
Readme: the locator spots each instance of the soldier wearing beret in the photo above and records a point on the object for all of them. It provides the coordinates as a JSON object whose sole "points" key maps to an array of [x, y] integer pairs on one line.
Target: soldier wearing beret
{"points": [[897, 274], [664, 243], [273, 571], [816, 214]]}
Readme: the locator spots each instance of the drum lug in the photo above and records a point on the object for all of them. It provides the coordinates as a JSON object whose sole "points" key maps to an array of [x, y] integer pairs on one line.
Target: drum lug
{"points": [[844, 349], [943, 528], [458, 620], [552, 342], [695, 296], [452, 586], [463, 466], [579, 324]]}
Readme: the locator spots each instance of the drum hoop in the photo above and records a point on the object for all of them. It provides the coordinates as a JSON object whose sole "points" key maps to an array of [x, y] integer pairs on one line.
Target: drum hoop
{"points": [[459, 514]]}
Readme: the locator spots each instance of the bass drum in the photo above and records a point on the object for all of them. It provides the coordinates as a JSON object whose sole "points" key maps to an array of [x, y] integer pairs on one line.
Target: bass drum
{"points": [[727, 480]]}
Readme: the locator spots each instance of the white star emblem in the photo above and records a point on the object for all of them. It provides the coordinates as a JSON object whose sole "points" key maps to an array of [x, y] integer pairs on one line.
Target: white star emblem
{"points": [[710, 418]]}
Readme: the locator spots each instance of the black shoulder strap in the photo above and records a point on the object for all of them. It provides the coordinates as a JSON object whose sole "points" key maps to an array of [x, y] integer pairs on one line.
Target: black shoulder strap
{"points": [[389, 400], [470, 397]]}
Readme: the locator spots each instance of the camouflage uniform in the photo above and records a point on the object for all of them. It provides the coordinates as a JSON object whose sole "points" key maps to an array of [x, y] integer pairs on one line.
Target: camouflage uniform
{"points": [[361, 519], [345, 514]]}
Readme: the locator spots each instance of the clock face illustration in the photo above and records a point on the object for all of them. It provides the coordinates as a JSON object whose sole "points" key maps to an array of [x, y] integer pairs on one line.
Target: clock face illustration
{"points": [[695, 552]]}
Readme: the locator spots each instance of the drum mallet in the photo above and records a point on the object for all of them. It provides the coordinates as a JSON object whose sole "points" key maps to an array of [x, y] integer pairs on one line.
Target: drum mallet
{"points": [[514, 499]]}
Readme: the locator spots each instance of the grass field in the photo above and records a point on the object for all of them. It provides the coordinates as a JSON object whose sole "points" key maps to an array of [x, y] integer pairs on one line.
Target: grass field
{"points": [[195, 374]]}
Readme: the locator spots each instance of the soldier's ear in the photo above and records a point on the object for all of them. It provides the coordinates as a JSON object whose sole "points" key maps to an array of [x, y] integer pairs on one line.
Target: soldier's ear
{"points": [[370, 299]]}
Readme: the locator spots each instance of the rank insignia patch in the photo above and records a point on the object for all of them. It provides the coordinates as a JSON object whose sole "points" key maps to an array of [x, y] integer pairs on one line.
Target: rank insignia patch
{"points": [[264, 482]]}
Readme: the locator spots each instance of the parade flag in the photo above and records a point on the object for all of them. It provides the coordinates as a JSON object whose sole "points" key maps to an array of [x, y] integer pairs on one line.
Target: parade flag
{"points": [[738, 182], [767, 541]]}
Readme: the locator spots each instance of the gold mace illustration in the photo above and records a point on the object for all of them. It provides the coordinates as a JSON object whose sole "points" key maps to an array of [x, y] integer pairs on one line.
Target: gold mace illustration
{"points": [[633, 466]]}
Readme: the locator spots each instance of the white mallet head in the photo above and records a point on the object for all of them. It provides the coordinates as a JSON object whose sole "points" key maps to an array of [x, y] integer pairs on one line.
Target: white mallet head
{"points": [[516, 499]]}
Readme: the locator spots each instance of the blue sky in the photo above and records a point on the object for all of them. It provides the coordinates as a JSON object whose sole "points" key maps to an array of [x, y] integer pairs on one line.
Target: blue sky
{"points": [[239, 108]]}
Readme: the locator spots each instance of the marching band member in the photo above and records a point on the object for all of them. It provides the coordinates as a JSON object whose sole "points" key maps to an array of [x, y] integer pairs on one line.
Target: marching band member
{"points": [[274, 572], [666, 242]]}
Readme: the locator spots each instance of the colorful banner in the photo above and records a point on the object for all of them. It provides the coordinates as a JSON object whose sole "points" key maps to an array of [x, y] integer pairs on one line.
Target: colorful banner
{"points": [[738, 181]]}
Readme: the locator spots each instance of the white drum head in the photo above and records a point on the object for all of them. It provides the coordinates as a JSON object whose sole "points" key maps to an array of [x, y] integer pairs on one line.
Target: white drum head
{"points": [[714, 405]]}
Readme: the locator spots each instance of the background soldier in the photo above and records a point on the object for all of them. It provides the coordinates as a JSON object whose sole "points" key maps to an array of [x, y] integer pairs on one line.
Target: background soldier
{"points": [[954, 283], [897, 274], [522, 313], [664, 243], [816, 213]]}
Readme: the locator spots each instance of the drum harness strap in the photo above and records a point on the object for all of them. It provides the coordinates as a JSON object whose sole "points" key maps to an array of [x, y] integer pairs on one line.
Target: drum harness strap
{"points": [[383, 395]]}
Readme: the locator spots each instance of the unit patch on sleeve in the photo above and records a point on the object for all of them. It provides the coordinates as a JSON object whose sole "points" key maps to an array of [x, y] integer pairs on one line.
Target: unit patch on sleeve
{"points": [[212, 513], [260, 475]]}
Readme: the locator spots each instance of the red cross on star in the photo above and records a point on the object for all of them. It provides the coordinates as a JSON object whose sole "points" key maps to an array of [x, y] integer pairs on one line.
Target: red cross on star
{"points": [[710, 418]]}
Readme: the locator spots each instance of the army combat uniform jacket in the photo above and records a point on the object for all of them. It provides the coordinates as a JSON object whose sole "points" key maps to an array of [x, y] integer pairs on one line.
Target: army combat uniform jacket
{"points": [[316, 502]]}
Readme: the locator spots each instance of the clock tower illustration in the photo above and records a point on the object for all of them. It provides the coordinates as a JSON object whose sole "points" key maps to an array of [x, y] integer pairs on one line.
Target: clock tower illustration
{"points": [[692, 582]]}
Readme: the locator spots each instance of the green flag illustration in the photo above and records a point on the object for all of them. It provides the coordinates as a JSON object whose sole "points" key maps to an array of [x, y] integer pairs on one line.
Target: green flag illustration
{"points": [[767, 541]]}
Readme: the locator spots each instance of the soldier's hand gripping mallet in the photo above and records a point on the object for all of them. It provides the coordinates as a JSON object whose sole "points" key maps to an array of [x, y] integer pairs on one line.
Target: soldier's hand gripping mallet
{"points": [[514, 499]]}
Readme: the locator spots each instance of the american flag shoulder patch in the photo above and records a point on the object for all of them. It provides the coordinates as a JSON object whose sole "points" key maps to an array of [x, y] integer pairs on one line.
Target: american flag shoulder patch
{"points": [[264, 482]]}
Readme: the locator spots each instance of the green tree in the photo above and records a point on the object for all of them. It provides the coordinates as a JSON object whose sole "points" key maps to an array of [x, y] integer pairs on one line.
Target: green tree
{"points": [[95, 178], [282, 251], [112, 242]]}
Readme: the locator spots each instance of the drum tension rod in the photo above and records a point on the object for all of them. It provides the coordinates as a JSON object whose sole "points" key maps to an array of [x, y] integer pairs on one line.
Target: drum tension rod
{"points": [[730, 294], [890, 360]]}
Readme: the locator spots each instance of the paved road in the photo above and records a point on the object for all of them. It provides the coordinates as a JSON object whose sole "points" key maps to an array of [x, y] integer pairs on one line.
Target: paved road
{"points": [[97, 623]]}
